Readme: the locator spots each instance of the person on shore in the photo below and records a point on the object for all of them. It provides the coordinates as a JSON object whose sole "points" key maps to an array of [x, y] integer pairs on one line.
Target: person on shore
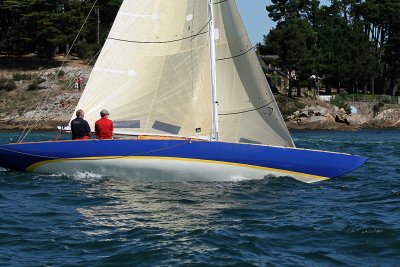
{"points": [[104, 127], [76, 84], [79, 127], [80, 81]]}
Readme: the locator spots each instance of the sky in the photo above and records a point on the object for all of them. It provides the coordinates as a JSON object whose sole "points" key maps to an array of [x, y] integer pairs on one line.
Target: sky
{"points": [[255, 18]]}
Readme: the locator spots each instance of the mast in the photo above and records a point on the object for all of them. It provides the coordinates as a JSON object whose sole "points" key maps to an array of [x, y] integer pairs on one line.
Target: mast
{"points": [[211, 31]]}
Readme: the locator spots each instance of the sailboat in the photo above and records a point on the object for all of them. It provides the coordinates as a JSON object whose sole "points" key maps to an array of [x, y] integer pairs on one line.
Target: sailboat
{"points": [[189, 102]]}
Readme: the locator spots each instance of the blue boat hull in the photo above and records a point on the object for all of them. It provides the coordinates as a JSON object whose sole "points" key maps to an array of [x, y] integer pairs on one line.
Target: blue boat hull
{"points": [[172, 160]]}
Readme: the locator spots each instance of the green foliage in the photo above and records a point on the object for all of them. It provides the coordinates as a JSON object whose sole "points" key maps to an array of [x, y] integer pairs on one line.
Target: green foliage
{"points": [[49, 27], [343, 96], [276, 80], [60, 73], [281, 10], [7, 84], [378, 107], [386, 99], [340, 101], [21, 76], [35, 84], [86, 50], [352, 44], [288, 105]]}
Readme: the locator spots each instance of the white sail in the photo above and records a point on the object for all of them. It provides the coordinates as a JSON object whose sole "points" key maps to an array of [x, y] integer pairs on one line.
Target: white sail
{"points": [[247, 108], [153, 75], [153, 71]]}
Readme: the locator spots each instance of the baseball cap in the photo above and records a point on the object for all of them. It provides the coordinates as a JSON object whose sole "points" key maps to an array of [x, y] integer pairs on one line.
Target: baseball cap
{"points": [[104, 112]]}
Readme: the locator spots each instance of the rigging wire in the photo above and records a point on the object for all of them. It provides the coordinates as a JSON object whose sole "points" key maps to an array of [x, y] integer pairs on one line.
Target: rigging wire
{"points": [[192, 66], [191, 62], [28, 128], [77, 74]]}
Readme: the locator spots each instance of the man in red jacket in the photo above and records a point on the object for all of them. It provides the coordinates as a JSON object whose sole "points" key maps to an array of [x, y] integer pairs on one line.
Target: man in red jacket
{"points": [[104, 127]]}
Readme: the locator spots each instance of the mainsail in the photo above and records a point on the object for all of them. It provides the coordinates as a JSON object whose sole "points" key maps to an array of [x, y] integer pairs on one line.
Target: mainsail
{"points": [[153, 75], [153, 71]]}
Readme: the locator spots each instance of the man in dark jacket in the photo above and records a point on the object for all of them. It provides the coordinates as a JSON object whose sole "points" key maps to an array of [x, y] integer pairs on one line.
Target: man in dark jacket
{"points": [[79, 127]]}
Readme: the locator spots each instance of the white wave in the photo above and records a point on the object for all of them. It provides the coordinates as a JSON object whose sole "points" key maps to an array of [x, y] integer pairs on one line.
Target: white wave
{"points": [[57, 175], [78, 176], [86, 176]]}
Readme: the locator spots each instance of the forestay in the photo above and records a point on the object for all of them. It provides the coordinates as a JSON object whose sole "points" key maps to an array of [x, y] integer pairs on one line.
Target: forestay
{"points": [[153, 75]]}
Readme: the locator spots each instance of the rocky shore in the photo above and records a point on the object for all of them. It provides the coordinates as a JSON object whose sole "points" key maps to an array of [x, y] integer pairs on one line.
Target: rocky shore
{"points": [[329, 117], [309, 118], [44, 96]]}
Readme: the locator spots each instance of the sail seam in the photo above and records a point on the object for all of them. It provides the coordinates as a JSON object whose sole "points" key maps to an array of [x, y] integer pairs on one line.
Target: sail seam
{"points": [[200, 32], [245, 111], [159, 42], [220, 2], [220, 59]]}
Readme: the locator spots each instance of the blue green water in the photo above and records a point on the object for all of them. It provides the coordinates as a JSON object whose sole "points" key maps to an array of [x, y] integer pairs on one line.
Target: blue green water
{"points": [[89, 220]]}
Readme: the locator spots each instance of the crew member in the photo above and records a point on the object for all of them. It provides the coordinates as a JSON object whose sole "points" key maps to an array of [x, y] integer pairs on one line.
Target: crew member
{"points": [[104, 127], [79, 127]]}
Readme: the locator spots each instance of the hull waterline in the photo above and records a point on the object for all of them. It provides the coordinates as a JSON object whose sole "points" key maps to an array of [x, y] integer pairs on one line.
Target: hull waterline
{"points": [[176, 160]]}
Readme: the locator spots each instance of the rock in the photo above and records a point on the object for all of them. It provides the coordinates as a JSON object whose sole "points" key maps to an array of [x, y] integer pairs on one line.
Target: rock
{"points": [[387, 118], [318, 119], [335, 118], [357, 120], [289, 118], [320, 111], [304, 114], [335, 110], [308, 109], [342, 118]]}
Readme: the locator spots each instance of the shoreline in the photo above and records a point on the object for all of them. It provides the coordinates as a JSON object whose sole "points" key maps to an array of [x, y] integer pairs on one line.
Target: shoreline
{"points": [[311, 118], [52, 126], [18, 106]]}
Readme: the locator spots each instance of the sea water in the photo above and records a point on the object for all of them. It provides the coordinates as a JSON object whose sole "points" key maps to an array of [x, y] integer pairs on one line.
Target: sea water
{"points": [[89, 220]]}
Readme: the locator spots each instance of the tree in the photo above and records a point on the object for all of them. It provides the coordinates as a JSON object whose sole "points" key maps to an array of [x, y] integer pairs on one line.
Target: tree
{"points": [[294, 41], [48, 27], [392, 50], [283, 10], [380, 19], [328, 41]]}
